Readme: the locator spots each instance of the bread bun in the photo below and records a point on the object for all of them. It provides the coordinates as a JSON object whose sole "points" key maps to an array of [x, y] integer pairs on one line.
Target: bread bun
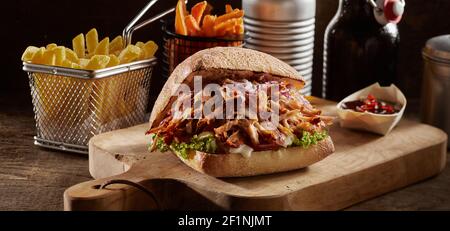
{"points": [[259, 163], [228, 58], [238, 62]]}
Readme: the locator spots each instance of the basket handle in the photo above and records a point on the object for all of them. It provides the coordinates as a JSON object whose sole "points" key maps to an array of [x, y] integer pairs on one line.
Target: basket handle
{"points": [[131, 27]]}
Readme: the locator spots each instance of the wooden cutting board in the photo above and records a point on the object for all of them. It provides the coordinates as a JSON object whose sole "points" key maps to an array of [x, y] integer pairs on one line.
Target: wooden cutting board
{"points": [[363, 166]]}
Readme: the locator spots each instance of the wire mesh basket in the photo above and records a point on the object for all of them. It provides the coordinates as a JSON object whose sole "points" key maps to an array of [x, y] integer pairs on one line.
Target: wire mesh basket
{"points": [[177, 47], [72, 105]]}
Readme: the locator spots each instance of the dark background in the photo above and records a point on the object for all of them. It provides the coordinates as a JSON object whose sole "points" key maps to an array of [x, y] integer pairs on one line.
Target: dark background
{"points": [[32, 22], [35, 178]]}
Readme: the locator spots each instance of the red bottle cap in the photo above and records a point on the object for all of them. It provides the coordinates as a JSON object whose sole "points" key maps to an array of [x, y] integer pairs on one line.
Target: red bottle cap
{"points": [[393, 10]]}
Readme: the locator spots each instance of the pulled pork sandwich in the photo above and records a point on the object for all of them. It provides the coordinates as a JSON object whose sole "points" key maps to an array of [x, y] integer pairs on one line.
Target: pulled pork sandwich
{"points": [[245, 143]]}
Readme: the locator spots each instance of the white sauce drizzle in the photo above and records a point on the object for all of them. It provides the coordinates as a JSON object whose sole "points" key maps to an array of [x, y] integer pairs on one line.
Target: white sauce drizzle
{"points": [[244, 150]]}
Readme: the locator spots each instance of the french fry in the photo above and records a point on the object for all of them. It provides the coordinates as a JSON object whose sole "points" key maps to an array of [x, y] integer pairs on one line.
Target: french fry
{"points": [[92, 40], [38, 56], [129, 54], [140, 44], [241, 29], [66, 63], [232, 15], [29, 53], [98, 62], [149, 49], [72, 56], [83, 63], [116, 44], [201, 23], [197, 11], [60, 55], [75, 66], [208, 26], [117, 53], [238, 27], [105, 54], [78, 46], [49, 58], [208, 9], [103, 47], [180, 14], [225, 27], [113, 61], [192, 26], [51, 46], [228, 8]]}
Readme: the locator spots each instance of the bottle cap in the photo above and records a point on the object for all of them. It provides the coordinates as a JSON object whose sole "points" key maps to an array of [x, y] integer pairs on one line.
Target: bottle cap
{"points": [[388, 11], [393, 10]]}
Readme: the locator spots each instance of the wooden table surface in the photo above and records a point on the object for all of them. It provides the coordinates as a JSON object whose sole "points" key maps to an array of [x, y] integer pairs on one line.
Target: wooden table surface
{"points": [[32, 178]]}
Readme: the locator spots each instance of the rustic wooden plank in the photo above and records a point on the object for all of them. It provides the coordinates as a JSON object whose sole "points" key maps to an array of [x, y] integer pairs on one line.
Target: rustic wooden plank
{"points": [[32, 178], [364, 166], [25, 188]]}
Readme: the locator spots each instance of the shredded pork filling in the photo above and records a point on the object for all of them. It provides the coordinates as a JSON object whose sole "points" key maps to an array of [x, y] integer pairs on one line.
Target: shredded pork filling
{"points": [[297, 118]]}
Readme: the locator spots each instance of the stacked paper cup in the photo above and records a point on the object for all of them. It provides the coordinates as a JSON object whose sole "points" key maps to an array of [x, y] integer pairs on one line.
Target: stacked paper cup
{"points": [[284, 29]]}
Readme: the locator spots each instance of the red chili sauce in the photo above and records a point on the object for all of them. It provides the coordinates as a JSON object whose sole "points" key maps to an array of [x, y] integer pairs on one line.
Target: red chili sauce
{"points": [[371, 104]]}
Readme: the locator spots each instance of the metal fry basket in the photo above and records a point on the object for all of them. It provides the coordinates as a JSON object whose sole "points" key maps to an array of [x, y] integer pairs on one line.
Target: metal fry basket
{"points": [[177, 47], [72, 105]]}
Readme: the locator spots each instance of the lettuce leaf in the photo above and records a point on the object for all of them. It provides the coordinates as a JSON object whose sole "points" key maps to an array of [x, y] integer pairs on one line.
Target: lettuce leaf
{"points": [[207, 143], [307, 139], [160, 144], [202, 142]]}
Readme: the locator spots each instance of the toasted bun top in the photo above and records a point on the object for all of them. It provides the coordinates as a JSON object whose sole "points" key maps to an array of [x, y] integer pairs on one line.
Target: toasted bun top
{"points": [[230, 58]]}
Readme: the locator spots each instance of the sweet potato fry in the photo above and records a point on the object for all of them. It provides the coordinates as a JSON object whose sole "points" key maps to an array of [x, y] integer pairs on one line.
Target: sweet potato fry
{"points": [[200, 22], [226, 27], [208, 9], [192, 26], [232, 15], [228, 8], [208, 26], [238, 28], [180, 14], [198, 10], [241, 28]]}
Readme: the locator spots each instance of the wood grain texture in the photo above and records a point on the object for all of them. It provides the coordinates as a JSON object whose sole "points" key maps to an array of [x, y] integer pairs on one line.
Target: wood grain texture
{"points": [[363, 167], [33, 178]]}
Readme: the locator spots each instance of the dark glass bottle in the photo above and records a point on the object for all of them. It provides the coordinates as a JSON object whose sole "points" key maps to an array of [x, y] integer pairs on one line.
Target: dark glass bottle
{"points": [[358, 51]]}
